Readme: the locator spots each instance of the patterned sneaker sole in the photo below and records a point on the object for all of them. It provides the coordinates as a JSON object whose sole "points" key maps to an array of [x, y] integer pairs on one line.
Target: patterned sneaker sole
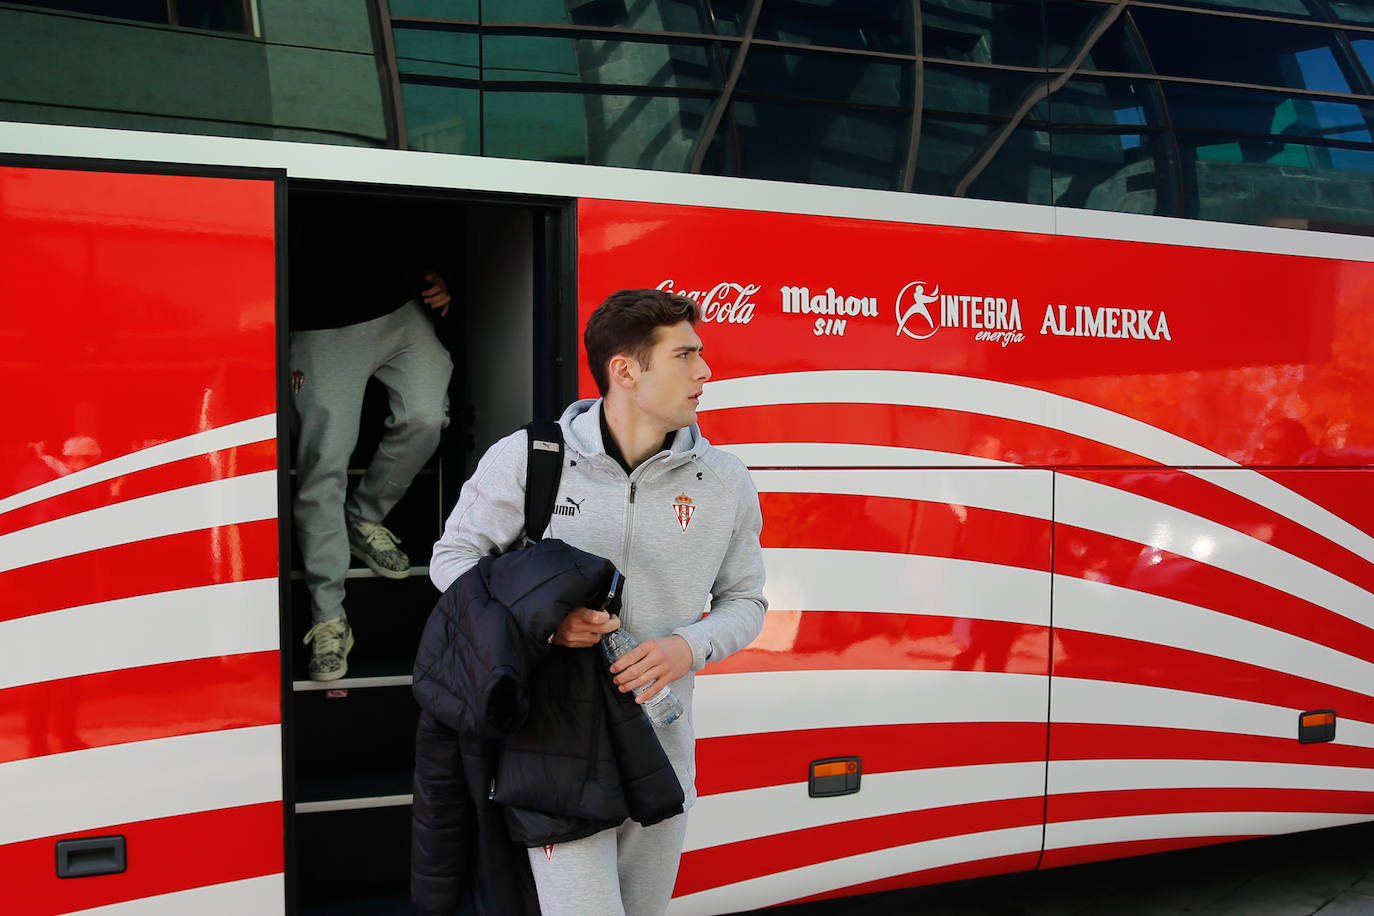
{"points": [[375, 567], [343, 669]]}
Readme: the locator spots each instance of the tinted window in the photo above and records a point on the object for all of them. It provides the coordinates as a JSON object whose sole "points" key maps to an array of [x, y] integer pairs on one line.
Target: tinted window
{"points": [[592, 60], [821, 144], [879, 25], [442, 119], [983, 32], [1304, 9], [436, 52], [1265, 53], [1070, 26], [633, 131], [1018, 168], [1125, 172], [978, 90], [435, 9], [841, 77], [1118, 102], [1213, 108]]}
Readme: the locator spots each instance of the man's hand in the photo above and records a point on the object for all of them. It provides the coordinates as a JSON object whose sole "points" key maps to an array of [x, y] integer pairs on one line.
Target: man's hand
{"points": [[437, 297], [659, 660], [582, 627]]}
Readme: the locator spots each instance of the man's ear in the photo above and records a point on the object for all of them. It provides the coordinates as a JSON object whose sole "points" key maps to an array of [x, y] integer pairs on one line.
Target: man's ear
{"points": [[622, 370]]}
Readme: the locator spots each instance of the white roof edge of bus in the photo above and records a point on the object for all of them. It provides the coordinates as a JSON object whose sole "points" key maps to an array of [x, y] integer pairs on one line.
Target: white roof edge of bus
{"points": [[563, 180]]}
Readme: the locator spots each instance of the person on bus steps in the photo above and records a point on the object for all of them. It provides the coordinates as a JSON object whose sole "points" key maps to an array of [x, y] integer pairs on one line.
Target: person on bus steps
{"points": [[681, 520], [365, 274]]}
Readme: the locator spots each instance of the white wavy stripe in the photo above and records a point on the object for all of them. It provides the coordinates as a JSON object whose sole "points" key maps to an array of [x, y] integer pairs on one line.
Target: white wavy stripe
{"points": [[1096, 607], [850, 870], [246, 498], [845, 454], [1098, 507], [140, 780], [776, 701], [256, 896], [806, 579], [1067, 776], [1020, 491], [1030, 405], [1115, 703], [1096, 831], [730, 817], [201, 443], [1095, 507], [231, 618]]}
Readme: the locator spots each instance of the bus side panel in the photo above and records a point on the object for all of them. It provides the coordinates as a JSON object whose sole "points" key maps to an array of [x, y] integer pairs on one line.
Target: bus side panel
{"points": [[140, 685], [1192, 629], [907, 627]]}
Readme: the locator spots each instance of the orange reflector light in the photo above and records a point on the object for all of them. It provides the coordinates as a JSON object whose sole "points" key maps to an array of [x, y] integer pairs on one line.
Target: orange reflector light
{"points": [[839, 768], [1318, 718]]}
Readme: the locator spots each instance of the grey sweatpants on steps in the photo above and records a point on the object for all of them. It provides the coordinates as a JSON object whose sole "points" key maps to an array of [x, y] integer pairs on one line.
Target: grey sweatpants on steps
{"points": [[625, 871], [330, 369]]}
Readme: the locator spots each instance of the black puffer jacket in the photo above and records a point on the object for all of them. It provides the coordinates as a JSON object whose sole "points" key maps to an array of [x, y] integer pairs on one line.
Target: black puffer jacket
{"points": [[521, 743]]}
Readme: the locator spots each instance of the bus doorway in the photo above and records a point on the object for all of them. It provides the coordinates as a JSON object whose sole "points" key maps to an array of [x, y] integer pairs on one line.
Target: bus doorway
{"points": [[351, 739]]}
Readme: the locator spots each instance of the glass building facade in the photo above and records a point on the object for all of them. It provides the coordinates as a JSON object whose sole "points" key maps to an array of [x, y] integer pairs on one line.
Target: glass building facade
{"points": [[1252, 111]]}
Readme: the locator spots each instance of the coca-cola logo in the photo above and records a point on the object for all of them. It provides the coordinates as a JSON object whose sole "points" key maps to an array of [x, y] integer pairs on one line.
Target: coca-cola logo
{"points": [[724, 303]]}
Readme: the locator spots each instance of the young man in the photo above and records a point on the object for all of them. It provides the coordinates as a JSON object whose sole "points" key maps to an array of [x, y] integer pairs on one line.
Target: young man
{"points": [[641, 487]]}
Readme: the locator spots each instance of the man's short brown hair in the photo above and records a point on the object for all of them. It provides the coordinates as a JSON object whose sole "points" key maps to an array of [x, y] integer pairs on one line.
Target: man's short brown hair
{"points": [[628, 322]]}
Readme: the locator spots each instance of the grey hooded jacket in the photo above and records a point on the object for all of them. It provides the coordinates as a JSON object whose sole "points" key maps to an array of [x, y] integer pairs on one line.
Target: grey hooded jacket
{"points": [[683, 528]]}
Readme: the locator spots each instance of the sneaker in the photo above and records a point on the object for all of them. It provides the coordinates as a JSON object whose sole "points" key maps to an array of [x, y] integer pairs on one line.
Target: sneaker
{"points": [[330, 642], [376, 546]]}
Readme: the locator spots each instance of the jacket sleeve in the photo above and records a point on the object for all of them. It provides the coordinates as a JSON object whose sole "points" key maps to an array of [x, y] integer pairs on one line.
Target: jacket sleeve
{"points": [[737, 601], [442, 819], [490, 514]]}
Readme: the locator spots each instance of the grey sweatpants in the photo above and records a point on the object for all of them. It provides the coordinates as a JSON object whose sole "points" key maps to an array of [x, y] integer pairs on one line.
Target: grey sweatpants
{"points": [[625, 871], [329, 371]]}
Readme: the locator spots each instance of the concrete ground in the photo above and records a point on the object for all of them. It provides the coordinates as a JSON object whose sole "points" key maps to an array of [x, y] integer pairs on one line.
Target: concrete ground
{"points": [[1330, 872]]}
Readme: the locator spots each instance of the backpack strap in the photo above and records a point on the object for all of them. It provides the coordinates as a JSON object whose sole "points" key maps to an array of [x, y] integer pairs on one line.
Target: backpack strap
{"points": [[544, 469]]}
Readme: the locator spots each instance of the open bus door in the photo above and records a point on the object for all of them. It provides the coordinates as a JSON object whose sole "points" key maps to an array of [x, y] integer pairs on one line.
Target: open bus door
{"points": [[140, 650]]}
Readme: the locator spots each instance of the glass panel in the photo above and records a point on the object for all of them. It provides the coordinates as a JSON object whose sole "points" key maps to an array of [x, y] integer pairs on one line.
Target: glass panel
{"points": [[1215, 108], [1068, 25], [821, 144], [1265, 53], [976, 90], [434, 52], [435, 9], [1364, 50], [1298, 9], [1124, 172], [1359, 12], [730, 15], [1118, 102], [983, 32], [586, 60], [839, 77], [634, 131], [876, 25], [1017, 170], [442, 119], [1262, 182], [649, 15], [142, 10], [216, 15], [980, 91]]}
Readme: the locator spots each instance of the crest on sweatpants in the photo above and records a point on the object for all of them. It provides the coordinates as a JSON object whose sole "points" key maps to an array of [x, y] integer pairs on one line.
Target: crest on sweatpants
{"points": [[684, 509], [297, 381]]}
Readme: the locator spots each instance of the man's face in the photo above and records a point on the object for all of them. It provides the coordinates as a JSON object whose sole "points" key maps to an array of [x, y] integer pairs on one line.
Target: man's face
{"points": [[667, 391]]}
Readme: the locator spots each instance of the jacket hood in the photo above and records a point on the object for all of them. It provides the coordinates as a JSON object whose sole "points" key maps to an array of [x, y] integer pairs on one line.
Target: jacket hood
{"points": [[581, 424]]}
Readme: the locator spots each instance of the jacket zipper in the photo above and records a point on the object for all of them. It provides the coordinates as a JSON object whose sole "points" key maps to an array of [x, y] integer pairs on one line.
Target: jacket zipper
{"points": [[625, 552]]}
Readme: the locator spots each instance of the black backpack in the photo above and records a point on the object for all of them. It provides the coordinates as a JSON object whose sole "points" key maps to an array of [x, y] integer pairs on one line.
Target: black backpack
{"points": [[544, 469]]}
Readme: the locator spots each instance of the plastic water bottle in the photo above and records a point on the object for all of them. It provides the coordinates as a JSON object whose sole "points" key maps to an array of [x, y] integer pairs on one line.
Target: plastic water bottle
{"points": [[664, 707]]}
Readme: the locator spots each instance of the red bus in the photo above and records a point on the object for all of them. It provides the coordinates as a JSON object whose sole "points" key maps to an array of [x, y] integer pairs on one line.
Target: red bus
{"points": [[1069, 523]]}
